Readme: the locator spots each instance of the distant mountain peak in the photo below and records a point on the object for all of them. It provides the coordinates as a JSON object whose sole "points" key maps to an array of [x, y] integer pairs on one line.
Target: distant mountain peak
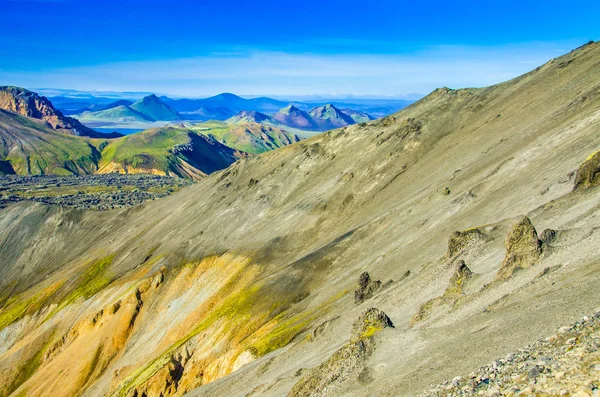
{"points": [[151, 98], [154, 108], [289, 109], [326, 111], [227, 95], [329, 117], [248, 116]]}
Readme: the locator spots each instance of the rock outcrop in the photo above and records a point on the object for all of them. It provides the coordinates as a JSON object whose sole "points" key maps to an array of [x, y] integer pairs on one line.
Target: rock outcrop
{"points": [[370, 322], [461, 276], [523, 248], [454, 291], [588, 174], [365, 288], [348, 361]]}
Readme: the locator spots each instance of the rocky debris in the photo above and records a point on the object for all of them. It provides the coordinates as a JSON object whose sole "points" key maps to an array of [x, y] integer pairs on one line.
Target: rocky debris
{"points": [[460, 241], [588, 174], [348, 362], [523, 248], [453, 293], [365, 288], [95, 192], [565, 364]]}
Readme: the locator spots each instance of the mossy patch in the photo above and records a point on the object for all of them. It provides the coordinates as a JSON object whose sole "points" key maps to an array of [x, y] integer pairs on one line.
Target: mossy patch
{"points": [[95, 277], [17, 307]]}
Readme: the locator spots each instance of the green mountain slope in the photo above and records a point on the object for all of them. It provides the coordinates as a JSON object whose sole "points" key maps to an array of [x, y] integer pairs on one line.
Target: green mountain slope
{"points": [[28, 146], [249, 137], [152, 107], [168, 150]]}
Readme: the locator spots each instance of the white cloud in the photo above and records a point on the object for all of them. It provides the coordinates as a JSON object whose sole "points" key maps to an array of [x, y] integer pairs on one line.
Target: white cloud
{"points": [[279, 73]]}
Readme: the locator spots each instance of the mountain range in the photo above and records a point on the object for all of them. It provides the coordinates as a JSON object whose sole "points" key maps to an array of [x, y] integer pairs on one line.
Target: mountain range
{"points": [[439, 245], [36, 139], [152, 108], [100, 112]]}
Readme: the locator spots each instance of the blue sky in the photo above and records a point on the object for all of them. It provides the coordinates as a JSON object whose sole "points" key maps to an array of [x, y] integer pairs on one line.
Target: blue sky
{"points": [[325, 47]]}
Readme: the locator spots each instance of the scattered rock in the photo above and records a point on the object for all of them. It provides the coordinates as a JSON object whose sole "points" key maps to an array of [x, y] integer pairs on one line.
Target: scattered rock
{"points": [[560, 365], [445, 191], [405, 275]]}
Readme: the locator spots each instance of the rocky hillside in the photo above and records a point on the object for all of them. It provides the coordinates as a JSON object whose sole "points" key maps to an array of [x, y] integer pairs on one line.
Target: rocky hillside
{"points": [[27, 103], [567, 363], [463, 209]]}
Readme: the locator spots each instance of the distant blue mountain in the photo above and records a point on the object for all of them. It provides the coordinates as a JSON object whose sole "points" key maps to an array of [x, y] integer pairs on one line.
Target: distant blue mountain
{"points": [[227, 101]]}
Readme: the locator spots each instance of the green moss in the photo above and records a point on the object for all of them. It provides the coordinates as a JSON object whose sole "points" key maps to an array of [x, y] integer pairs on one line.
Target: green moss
{"points": [[17, 307], [14, 312], [282, 334], [94, 279]]}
